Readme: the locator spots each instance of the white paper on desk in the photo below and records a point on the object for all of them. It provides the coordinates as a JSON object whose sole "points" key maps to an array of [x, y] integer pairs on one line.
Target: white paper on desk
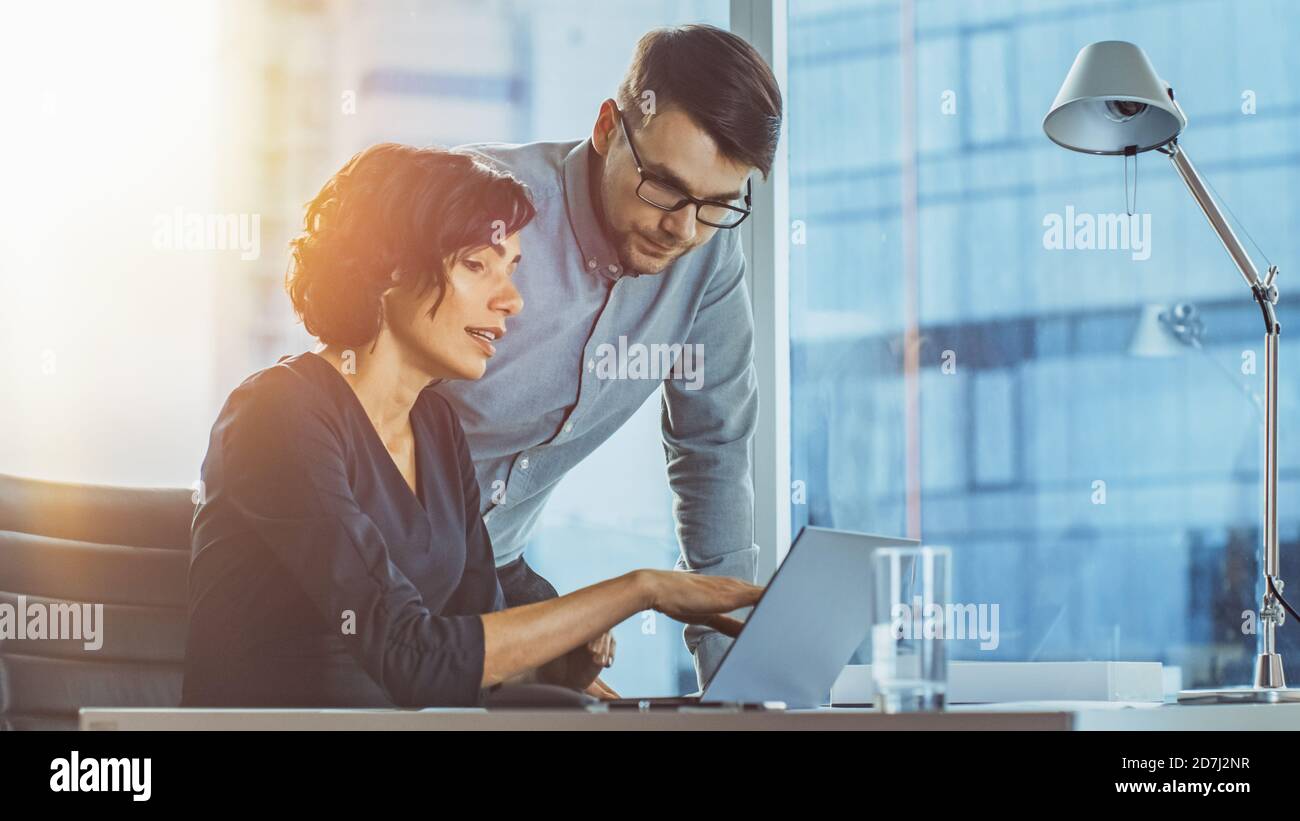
{"points": [[987, 682], [1055, 706]]}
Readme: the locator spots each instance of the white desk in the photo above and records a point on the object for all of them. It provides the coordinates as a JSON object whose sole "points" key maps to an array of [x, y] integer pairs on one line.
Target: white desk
{"points": [[1042, 715]]}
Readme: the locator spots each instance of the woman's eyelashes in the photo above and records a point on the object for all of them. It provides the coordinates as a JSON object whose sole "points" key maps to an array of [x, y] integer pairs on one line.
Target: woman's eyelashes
{"points": [[478, 266]]}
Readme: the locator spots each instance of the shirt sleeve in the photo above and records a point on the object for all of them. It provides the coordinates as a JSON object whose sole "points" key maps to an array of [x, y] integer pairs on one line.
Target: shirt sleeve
{"points": [[708, 422], [285, 473]]}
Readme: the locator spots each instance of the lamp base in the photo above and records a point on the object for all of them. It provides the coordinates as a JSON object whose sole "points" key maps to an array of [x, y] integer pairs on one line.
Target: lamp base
{"points": [[1241, 695], [1268, 671]]}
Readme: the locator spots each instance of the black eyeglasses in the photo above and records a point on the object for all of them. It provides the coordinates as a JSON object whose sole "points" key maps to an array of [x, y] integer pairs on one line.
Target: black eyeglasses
{"points": [[667, 197]]}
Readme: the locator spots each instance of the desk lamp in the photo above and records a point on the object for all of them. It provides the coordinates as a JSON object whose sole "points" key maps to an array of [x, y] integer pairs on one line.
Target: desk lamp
{"points": [[1113, 102]]}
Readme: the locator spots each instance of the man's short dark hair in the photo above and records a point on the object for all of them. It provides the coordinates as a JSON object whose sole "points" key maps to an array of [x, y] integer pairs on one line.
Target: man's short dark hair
{"points": [[717, 79]]}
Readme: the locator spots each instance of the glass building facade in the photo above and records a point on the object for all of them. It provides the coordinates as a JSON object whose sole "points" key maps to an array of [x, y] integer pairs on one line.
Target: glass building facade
{"points": [[957, 376]]}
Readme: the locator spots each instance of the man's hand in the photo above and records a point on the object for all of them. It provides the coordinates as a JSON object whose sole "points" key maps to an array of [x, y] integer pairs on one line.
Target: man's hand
{"points": [[601, 690]]}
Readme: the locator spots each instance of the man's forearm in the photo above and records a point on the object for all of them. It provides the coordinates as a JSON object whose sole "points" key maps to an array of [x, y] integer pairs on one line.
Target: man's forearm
{"points": [[714, 510]]}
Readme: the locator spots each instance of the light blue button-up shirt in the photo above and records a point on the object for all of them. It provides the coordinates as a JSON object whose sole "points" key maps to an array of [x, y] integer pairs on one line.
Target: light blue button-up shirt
{"points": [[591, 344]]}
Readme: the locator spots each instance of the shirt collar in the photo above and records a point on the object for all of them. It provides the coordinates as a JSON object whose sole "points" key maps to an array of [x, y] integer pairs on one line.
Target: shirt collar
{"points": [[598, 255]]}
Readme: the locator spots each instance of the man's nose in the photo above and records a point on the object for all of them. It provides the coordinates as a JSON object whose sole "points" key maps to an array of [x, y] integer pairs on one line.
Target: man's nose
{"points": [[681, 223]]}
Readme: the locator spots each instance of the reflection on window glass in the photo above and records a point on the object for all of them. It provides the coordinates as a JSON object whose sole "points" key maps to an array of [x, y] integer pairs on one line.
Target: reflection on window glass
{"points": [[1096, 474]]}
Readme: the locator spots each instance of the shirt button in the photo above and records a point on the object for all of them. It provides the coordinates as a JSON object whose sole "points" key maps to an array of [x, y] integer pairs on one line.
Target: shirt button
{"points": [[523, 464], [591, 263], [613, 269], [568, 427]]}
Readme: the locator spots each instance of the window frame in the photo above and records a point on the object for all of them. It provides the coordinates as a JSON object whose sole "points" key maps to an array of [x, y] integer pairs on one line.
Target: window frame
{"points": [[765, 239]]}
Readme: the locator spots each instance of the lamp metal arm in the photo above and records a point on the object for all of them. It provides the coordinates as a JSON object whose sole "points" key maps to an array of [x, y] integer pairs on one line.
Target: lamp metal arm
{"points": [[1268, 669], [1196, 185]]}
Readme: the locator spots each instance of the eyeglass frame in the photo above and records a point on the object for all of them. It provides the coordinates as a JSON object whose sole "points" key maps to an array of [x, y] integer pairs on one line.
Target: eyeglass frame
{"points": [[685, 198]]}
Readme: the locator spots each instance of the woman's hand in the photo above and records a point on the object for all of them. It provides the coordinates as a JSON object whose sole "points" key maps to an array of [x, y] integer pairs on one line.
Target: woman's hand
{"points": [[538, 637], [580, 667], [695, 598]]}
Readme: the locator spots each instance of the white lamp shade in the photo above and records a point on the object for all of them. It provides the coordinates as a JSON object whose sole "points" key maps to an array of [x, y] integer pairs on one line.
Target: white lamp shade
{"points": [[1113, 99]]}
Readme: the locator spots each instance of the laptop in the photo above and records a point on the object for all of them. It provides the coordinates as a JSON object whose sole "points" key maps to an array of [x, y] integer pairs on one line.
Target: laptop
{"points": [[805, 627]]}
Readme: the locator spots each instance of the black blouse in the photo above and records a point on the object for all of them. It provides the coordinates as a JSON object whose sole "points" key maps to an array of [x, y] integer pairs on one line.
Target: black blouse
{"points": [[317, 578]]}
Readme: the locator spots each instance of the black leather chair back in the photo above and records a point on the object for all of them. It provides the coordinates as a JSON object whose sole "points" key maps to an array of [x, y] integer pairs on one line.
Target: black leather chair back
{"points": [[125, 548]]}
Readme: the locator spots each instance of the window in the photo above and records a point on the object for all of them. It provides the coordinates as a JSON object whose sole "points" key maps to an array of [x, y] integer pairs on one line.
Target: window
{"points": [[953, 378]]}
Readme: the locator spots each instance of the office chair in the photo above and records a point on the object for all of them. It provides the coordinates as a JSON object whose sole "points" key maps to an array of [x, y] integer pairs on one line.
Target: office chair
{"points": [[124, 548]]}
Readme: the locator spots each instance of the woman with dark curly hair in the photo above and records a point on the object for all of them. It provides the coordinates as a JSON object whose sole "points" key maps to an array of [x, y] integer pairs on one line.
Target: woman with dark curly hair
{"points": [[339, 559]]}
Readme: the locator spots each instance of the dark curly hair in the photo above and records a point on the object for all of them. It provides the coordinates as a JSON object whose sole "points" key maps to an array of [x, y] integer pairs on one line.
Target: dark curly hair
{"points": [[394, 210]]}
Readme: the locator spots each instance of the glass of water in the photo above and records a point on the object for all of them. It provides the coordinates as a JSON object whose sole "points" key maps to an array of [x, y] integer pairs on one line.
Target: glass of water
{"points": [[909, 663]]}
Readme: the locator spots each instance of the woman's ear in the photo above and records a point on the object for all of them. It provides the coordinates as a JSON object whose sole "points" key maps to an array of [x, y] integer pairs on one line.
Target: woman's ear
{"points": [[395, 285], [388, 298]]}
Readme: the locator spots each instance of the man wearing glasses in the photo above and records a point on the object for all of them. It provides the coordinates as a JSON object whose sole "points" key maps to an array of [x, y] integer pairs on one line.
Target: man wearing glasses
{"points": [[634, 249]]}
